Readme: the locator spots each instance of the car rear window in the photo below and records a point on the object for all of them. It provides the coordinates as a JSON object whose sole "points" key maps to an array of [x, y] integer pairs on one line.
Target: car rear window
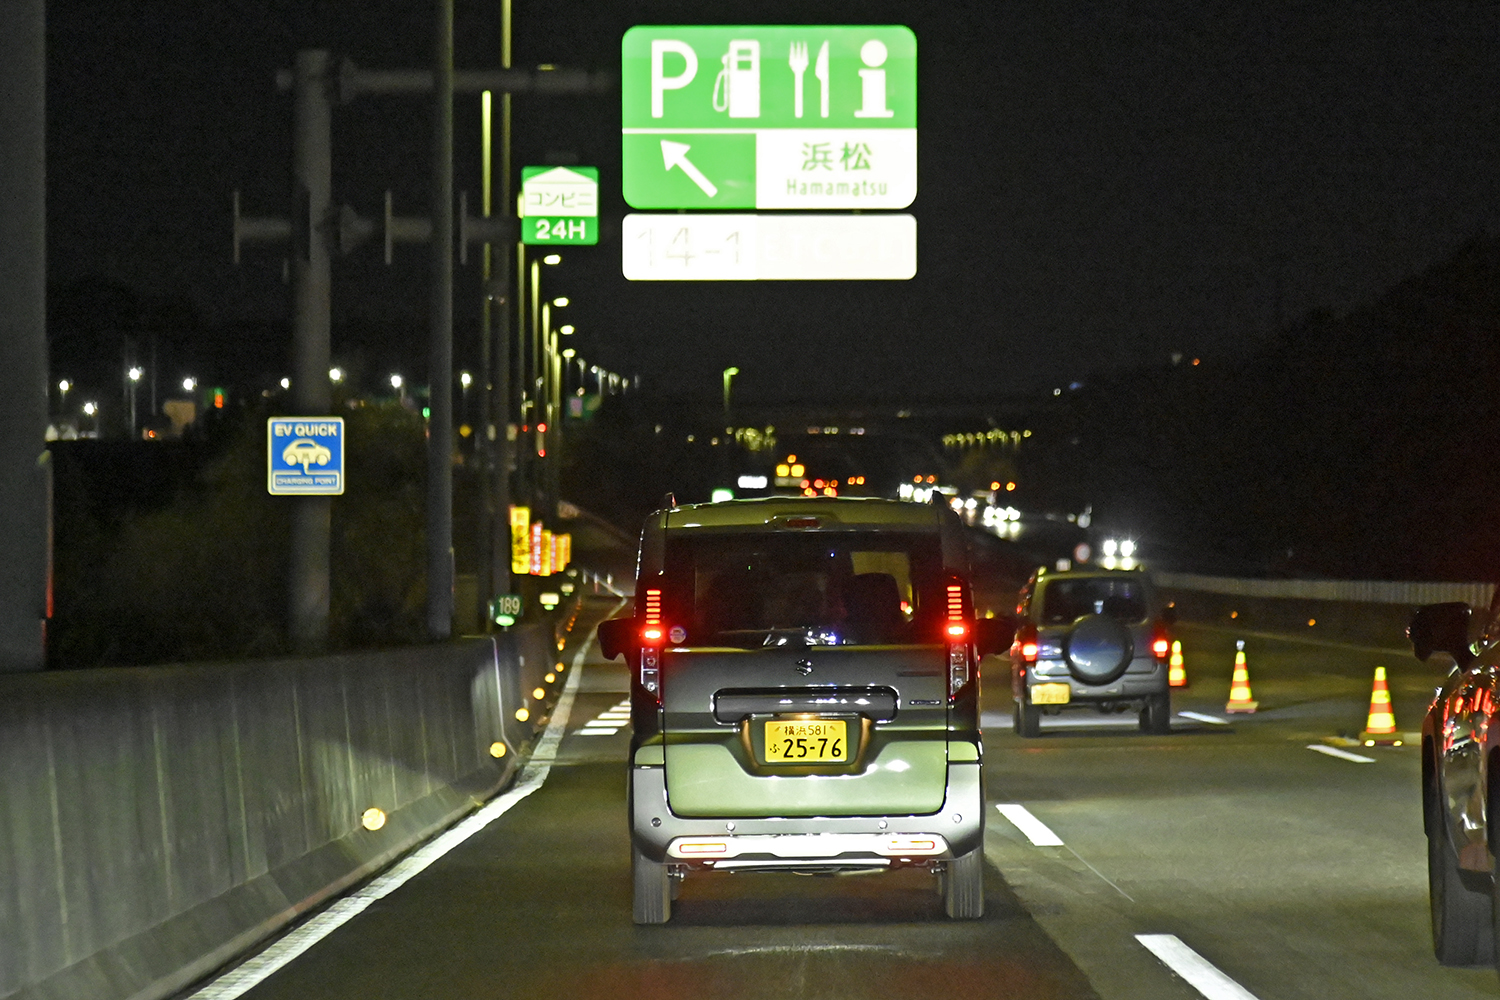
{"points": [[818, 588], [1065, 601]]}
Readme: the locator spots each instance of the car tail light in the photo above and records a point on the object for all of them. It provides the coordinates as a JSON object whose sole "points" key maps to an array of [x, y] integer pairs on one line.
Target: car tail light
{"points": [[956, 633], [652, 632], [1025, 646], [1161, 642]]}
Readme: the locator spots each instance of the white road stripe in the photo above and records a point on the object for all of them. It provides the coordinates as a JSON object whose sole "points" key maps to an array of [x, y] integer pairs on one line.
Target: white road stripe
{"points": [[597, 724], [1200, 717], [1198, 971], [245, 977], [596, 732], [1340, 754], [1039, 833], [618, 716]]}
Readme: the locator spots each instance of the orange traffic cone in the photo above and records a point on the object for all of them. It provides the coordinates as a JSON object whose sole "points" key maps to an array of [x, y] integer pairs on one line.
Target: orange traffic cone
{"points": [[1239, 687], [1381, 724], [1176, 672]]}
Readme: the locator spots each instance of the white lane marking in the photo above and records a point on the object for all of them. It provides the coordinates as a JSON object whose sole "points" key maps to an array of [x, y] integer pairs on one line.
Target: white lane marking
{"points": [[1340, 754], [1039, 833], [597, 724], [614, 715], [596, 732], [1199, 972], [240, 980], [1200, 717]]}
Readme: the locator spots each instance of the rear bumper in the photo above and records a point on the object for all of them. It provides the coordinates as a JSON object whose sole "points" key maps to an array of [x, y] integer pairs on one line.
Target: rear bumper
{"points": [[808, 842], [1129, 686]]}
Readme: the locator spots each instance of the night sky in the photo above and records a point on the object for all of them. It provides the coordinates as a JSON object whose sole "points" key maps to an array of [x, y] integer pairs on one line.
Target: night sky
{"points": [[1100, 184]]}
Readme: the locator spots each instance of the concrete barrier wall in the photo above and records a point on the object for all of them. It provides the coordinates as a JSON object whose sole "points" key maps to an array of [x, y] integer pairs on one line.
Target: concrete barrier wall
{"points": [[155, 822], [1360, 613]]}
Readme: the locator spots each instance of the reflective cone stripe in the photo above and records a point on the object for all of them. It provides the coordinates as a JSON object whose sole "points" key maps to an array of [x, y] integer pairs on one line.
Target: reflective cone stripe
{"points": [[1381, 721], [1239, 688], [1176, 672]]}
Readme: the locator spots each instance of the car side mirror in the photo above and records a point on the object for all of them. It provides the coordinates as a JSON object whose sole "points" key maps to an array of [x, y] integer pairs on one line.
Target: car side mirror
{"points": [[992, 636], [616, 635], [1441, 628]]}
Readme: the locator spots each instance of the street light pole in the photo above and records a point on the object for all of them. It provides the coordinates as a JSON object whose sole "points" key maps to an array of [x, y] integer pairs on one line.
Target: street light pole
{"points": [[729, 374]]}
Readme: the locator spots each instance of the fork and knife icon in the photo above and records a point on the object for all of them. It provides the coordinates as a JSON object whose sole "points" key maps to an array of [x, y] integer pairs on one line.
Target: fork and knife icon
{"points": [[797, 59]]}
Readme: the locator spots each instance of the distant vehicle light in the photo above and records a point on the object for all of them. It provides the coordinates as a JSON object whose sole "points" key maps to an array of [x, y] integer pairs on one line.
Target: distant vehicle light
{"points": [[754, 482], [721, 494], [1127, 548], [1110, 547]]}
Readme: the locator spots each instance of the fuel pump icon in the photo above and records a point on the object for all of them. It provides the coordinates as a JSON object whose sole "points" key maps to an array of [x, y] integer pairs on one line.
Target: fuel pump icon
{"points": [[737, 88]]}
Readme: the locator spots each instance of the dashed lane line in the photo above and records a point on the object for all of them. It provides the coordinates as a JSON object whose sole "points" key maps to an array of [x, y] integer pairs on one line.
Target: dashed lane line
{"points": [[1201, 974], [1212, 720], [1039, 833], [1341, 754]]}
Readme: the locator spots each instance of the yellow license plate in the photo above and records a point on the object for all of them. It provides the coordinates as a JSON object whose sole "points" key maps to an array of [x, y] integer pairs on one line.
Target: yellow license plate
{"points": [[1051, 694], [810, 741]]}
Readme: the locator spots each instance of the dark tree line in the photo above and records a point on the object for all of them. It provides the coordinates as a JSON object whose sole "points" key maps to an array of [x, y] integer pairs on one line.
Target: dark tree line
{"points": [[1355, 446]]}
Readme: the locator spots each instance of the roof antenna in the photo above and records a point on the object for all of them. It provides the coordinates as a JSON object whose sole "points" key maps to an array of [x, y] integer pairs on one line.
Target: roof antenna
{"points": [[670, 501]]}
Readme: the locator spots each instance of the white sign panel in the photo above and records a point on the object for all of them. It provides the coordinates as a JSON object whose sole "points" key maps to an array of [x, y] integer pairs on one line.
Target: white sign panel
{"points": [[769, 247]]}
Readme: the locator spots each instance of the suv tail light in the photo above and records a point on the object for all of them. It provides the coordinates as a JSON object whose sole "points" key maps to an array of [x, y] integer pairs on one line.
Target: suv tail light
{"points": [[1161, 642], [652, 633], [956, 634], [1025, 646]]}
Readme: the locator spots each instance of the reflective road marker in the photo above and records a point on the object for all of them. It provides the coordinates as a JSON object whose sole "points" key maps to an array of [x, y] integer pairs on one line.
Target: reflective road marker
{"points": [[1340, 754], [1200, 717], [1198, 971], [1039, 833]]}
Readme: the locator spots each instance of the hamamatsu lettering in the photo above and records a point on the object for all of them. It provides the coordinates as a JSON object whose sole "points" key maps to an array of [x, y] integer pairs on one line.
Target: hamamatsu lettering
{"points": [[853, 188]]}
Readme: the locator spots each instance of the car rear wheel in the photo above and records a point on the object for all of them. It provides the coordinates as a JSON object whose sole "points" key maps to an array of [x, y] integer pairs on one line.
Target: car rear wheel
{"points": [[653, 889], [1156, 717], [963, 886], [1461, 933], [1028, 718]]}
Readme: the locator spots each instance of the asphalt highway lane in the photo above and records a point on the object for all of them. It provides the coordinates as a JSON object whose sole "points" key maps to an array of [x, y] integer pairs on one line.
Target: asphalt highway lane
{"points": [[1293, 873]]}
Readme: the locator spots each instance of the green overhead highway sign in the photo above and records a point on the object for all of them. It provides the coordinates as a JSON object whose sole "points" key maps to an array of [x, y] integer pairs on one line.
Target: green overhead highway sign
{"points": [[560, 205], [791, 117]]}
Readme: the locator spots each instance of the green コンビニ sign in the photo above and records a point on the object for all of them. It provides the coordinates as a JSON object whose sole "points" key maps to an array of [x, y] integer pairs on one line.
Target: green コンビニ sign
{"points": [[560, 205], [769, 117]]}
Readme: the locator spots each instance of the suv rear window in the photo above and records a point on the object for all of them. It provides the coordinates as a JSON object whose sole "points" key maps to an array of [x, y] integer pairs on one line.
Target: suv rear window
{"points": [[820, 588], [1064, 601]]}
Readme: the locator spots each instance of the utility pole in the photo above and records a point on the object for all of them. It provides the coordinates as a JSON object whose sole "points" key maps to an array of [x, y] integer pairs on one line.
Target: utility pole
{"points": [[308, 581], [25, 463], [440, 343]]}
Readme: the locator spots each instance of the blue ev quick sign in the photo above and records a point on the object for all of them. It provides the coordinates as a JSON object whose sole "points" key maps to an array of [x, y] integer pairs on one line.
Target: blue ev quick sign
{"points": [[305, 456]]}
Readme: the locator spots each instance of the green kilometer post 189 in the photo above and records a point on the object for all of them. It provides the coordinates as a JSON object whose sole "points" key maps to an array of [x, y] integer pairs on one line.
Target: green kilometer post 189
{"points": [[803, 117], [560, 205]]}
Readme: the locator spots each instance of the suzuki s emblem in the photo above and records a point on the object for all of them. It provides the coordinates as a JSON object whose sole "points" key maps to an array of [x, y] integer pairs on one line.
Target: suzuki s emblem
{"points": [[804, 667]]}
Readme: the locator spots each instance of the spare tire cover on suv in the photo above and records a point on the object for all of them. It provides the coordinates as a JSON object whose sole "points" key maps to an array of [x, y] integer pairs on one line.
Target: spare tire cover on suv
{"points": [[1098, 649]]}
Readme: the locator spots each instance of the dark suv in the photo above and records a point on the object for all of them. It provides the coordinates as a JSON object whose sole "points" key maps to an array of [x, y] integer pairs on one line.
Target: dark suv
{"points": [[804, 695], [1091, 639]]}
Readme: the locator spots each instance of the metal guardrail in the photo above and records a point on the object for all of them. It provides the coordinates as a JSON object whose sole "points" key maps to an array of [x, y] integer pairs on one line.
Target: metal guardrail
{"points": [[1354, 591]]}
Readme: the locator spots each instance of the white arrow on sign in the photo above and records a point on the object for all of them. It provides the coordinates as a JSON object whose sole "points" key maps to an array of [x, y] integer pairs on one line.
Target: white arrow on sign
{"points": [[674, 154]]}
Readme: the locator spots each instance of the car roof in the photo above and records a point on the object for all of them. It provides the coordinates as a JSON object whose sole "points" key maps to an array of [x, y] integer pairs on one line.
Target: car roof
{"points": [[831, 512]]}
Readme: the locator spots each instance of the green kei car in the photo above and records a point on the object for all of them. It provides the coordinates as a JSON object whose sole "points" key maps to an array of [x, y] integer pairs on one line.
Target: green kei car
{"points": [[804, 695]]}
